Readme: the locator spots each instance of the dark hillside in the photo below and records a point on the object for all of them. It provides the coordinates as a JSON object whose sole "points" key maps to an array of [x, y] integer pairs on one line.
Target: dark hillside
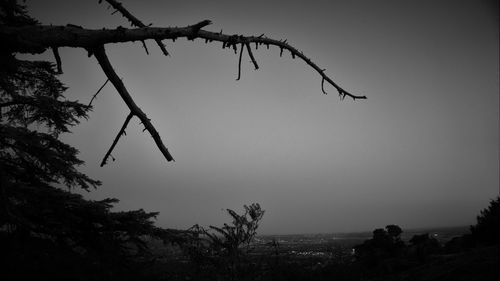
{"points": [[475, 264]]}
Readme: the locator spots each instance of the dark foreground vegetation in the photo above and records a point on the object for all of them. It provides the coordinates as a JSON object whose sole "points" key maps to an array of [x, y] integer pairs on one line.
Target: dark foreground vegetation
{"points": [[474, 255], [233, 252], [49, 233]]}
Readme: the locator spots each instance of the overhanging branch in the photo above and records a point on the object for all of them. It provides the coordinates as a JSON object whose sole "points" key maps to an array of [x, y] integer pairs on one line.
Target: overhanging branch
{"points": [[35, 39]]}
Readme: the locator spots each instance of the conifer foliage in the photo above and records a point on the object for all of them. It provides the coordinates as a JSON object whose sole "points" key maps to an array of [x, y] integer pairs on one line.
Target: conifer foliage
{"points": [[487, 229], [45, 230], [224, 252]]}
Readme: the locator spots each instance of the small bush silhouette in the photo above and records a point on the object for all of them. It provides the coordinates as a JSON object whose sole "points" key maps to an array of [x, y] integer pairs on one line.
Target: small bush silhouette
{"points": [[223, 251], [487, 229]]}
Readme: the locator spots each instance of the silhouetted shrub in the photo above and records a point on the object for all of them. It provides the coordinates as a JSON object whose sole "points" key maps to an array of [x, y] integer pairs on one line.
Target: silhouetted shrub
{"points": [[422, 246], [222, 253], [385, 243], [487, 229], [46, 231], [459, 244]]}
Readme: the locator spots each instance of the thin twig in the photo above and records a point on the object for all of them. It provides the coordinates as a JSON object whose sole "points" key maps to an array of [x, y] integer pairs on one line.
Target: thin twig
{"points": [[98, 91], [145, 47], [115, 141], [323, 86], [239, 63], [58, 59], [251, 55]]}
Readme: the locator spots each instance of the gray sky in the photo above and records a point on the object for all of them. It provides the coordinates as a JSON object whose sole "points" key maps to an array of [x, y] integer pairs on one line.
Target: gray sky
{"points": [[421, 151]]}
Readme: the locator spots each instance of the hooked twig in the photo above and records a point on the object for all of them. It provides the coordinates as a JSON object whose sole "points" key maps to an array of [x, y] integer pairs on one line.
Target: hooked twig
{"points": [[323, 86]]}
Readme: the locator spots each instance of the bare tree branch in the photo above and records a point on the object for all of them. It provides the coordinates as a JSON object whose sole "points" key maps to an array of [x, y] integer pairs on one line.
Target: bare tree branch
{"points": [[102, 58], [35, 39], [135, 22], [115, 141]]}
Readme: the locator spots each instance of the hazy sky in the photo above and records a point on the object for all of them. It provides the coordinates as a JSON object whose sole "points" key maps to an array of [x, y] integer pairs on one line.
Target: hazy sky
{"points": [[422, 150]]}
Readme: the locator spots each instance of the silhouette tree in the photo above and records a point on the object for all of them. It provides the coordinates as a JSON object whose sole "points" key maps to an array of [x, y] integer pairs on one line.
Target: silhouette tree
{"points": [[30, 37], [223, 251], [385, 243], [422, 246], [394, 232], [45, 230], [487, 229]]}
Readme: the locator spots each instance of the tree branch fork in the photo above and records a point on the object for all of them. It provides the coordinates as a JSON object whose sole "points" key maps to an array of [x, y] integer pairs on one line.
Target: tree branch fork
{"points": [[36, 39]]}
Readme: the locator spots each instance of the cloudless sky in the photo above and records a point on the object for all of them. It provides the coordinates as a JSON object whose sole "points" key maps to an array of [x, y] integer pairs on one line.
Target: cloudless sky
{"points": [[422, 150]]}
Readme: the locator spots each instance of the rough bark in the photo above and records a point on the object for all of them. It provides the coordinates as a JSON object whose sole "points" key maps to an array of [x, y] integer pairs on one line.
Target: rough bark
{"points": [[38, 38]]}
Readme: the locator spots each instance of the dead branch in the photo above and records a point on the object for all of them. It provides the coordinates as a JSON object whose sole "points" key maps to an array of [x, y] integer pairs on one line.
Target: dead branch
{"points": [[102, 58], [115, 141], [35, 39]]}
